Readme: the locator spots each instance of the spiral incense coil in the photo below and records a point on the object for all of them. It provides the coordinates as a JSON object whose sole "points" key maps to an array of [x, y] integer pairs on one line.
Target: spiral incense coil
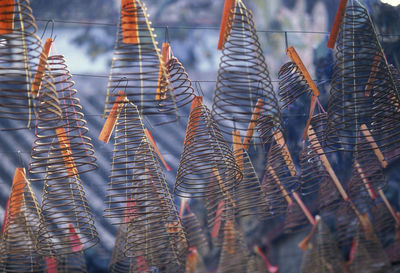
{"points": [[244, 89], [384, 224], [234, 252], [360, 192], [19, 55], [207, 166], [292, 84], [67, 219], [249, 197], [329, 198], [194, 233], [323, 255], [154, 231], [18, 246], [368, 255], [129, 136], [74, 121], [137, 60], [361, 84]]}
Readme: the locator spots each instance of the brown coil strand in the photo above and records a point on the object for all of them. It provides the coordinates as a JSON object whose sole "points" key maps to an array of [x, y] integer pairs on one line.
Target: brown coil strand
{"points": [[154, 231], [292, 84], [73, 118], [243, 82], [234, 253], [323, 255], [137, 59], [119, 263], [361, 84], [249, 197], [64, 201], [18, 246], [19, 55], [195, 233], [255, 264], [207, 166], [369, 255], [280, 179]]}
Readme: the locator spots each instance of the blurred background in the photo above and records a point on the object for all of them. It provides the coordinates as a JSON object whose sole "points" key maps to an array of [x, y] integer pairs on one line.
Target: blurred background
{"points": [[85, 34]]}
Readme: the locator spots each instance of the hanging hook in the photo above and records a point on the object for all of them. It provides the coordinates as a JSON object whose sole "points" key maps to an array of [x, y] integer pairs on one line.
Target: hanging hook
{"points": [[166, 35], [119, 82], [21, 163], [198, 87], [286, 41], [45, 28]]}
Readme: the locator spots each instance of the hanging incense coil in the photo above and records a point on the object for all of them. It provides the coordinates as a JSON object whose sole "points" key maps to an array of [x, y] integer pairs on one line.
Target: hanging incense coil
{"points": [[292, 84], [323, 255], [368, 255], [295, 220], [18, 246], [137, 59], [361, 84], [194, 233], [154, 230], [244, 89], [234, 252], [129, 135], [207, 166], [74, 121], [249, 197], [19, 55]]}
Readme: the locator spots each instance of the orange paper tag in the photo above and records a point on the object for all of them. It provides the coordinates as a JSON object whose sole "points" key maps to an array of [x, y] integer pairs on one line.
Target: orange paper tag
{"points": [[51, 264], [225, 30], [367, 134], [312, 107], [109, 125], [281, 187], [194, 121], [7, 16], [252, 124], [291, 52], [37, 81], [154, 145], [336, 25], [18, 188], [229, 238], [165, 57], [280, 140], [237, 149], [372, 74], [129, 22], [66, 152], [191, 261], [271, 268]]}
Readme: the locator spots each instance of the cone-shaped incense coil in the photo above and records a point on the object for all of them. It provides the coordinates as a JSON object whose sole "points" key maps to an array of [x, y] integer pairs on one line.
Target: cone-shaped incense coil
{"points": [[137, 61], [128, 165], [384, 224], [367, 255], [66, 214], [323, 255], [18, 246], [295, 220], [19, 55], [248, 195], [346, 226], [234, 252], [194, 233], [74, 262], [119, 263], [361, 85], [74, 121], [207, 165], [154, 231], [243, 89]]}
